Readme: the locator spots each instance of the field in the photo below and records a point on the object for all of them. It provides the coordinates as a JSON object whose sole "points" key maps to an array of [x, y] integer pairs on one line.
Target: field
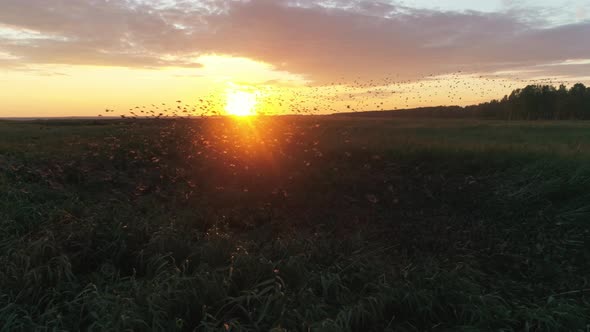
{"points": [[294, 224]]}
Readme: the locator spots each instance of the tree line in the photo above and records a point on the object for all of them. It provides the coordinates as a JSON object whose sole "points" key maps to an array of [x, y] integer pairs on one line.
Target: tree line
{"points": [[539, 102], [534, 102]]}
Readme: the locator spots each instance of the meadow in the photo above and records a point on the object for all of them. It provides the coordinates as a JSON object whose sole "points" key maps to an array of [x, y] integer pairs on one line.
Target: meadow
{"points": [[312, 223]]}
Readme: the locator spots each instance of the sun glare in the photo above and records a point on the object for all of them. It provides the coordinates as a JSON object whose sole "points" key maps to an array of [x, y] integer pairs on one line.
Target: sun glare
{"points": [[241, 103]]}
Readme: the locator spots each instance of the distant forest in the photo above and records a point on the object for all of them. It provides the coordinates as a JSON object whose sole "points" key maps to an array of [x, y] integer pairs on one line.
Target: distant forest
{"points": [[534, 102]]}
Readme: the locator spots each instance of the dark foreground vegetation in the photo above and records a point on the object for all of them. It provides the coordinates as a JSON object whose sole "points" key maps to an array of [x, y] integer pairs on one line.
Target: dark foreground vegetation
{"points": [[294, 224], [534, 102]]}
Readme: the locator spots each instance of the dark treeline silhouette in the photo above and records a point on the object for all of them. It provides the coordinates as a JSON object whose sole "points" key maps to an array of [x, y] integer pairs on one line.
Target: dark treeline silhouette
{"points": [[534, 102]]}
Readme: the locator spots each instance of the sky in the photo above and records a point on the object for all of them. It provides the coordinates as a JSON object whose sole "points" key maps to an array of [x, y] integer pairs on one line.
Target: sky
{"points": [[79, 57]]}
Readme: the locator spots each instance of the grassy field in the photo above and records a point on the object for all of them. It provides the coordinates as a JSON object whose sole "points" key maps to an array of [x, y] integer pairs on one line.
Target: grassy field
{"points": [[294, 224]]}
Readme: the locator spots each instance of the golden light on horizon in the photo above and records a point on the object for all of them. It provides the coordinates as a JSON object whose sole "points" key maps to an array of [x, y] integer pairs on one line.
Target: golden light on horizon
{"points": [[235, 86], [241, 103]]}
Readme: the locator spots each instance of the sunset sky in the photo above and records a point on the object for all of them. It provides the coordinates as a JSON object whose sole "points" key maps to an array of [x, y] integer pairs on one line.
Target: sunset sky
{"points": [[78, 57]]}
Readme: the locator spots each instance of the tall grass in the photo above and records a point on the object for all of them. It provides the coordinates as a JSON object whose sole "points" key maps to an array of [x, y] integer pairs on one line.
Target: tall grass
{"points": [[293, 225]]}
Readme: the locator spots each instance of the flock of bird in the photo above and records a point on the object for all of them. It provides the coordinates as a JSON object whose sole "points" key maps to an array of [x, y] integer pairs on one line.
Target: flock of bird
{"points": [[272, 154], [356, 95]]}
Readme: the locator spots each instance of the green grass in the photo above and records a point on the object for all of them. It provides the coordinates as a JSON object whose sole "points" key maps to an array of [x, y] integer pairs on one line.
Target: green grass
{"points": [[295, 224]]}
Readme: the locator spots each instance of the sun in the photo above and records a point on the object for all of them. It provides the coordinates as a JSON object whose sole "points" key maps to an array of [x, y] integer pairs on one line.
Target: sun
{"points": [[241, 103]]}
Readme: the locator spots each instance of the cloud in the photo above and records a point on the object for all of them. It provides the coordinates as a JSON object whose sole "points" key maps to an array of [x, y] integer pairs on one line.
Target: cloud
{"points": [[94, 32], [327, 43], [323, 40], [572, 69]]}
